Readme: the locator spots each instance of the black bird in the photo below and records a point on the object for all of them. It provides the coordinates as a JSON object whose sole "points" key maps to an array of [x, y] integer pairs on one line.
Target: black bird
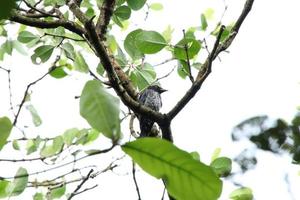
{"points": [[150, 97]]}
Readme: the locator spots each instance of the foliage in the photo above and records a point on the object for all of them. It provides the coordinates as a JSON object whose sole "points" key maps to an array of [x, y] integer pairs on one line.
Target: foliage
{"points": [[64, 35], [181, 172]]}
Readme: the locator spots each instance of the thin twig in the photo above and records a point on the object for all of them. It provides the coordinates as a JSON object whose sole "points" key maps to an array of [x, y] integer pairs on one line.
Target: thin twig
{"points": [[135, 182], [163, 195], [49, 14], [62, 165], [164, 62], [187, 57], [165, 76], [26, 93], [80, 185], [64, 37], [9, 89]]}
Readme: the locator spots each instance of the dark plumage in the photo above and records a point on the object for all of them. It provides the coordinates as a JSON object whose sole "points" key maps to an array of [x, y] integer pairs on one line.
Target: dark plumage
{"points": [[149, 97]]}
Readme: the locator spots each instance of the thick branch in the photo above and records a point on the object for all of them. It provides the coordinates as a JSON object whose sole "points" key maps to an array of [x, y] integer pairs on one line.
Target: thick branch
{"points": [[102, 52], [116, 84], [206, 68], [41, 23], [106, 12]]}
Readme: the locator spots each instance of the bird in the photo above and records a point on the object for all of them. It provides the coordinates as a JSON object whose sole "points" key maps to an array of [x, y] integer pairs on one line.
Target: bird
{"points": [[151, 98]]}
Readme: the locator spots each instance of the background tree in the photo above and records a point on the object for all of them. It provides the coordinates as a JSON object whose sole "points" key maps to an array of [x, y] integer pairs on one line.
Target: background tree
{"points": [[61, 29]]}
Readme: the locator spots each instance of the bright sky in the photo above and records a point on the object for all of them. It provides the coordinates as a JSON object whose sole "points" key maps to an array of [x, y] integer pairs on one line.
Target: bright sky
{"points": [[260, 75]]}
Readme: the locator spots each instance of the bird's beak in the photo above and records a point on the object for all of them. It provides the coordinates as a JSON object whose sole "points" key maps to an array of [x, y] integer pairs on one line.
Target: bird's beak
{"points": [[163, 90]]}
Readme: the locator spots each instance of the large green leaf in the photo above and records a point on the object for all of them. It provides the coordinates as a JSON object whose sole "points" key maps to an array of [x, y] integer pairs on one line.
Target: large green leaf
{"points": [[193, 47], [130, 45], [42, 54], [100, 109], [123, 12], [136, 4], [150, 42], [5, 129], [19, 184], [26, 37], [185, 177]]}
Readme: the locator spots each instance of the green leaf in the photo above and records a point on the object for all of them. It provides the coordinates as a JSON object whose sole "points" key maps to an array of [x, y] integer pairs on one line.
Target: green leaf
{"points": [[57, 192], [112, 43], [15, 145], [130, 46], [80, 64], [3, 188], [203, 22], [54, 2], [32, 145], [8, 46], [92, 136], [100, 69], [3, 31], [34, 115], [42, 54], [243, 193], [100, 109], [38, 196], [195, 155], [58, 72], [193, 47], [150, 42], [215, 154], [19, 47], [167, 33], [209, 13], [26, 37], [182, 69], [185, 177], [156, 6], [117, 20], [69, 50], [69, 136], [222, 166], [136, 4], [143, 76], [19, 183], [53, 148], [123, 12], [5, 129], [6, 7]]}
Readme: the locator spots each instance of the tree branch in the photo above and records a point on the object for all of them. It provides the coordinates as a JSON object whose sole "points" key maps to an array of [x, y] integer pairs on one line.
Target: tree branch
{"points": [[206, 68], [41, 23], [80, 185], [106, 12]]}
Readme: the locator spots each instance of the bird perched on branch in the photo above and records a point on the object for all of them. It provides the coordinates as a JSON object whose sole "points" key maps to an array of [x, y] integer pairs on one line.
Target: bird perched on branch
{"points": [[151, 98]]}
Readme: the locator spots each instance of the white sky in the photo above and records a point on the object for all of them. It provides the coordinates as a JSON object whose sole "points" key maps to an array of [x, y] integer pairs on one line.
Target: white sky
{"points": [[260, 75]]}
